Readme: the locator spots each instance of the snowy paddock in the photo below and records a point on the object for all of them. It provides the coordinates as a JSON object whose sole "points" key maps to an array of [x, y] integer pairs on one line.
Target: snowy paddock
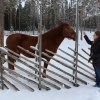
{"points": [[83, 92]]}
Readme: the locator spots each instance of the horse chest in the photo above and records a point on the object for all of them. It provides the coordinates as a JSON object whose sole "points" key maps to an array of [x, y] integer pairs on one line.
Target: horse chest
{"points": [[50, 45]]}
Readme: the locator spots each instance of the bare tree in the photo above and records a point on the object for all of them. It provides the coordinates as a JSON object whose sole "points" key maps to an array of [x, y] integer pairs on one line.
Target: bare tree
{"points": [[32, 12], [53, 12], [1, 23]]}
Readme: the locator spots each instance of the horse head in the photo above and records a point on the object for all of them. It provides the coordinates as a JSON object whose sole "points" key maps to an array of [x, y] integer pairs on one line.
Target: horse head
{"points": [[68, 31]]}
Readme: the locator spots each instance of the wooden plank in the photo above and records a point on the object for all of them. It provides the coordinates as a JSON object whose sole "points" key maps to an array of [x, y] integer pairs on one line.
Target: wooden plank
{"points": [[25, 78], [70, 62], [6, 85], [38, 77], [37, 71], [1, 70], [55, 80], [79, 54], [49, 63], [59, 76], [52, 65], [21, 83], [34, 63], [46, 76], [78, 60], [53, 85], [85, 52], [11, 84], [19, 60], [68, 66]]}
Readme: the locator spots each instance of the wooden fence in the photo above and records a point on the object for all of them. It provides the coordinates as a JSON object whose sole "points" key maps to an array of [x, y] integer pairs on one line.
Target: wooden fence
{"points": [[30, 80]]}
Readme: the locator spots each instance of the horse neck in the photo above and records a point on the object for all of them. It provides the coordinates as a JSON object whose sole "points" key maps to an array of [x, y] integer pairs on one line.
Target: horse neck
{"points": [[55, 35]]}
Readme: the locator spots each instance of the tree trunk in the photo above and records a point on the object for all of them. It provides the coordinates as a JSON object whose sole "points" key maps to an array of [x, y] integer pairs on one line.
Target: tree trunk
{"points": [[52, 13], [1, 24], [1, 40], [33, 15]]}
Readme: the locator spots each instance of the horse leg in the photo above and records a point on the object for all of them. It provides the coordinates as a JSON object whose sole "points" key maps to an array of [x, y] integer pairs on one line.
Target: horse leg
{"points": [[45, 66], [10, 66]]}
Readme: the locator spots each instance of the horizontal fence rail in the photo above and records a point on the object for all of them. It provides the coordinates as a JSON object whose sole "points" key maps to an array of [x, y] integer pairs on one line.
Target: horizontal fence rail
{"points": [[51, 80]]}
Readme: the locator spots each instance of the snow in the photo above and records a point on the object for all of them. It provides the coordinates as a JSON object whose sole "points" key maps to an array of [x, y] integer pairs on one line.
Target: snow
{"points": [[83, 92], [80, 93]]}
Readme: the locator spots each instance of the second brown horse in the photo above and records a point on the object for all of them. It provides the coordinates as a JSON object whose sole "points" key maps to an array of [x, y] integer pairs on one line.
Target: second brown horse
{"points": [[50, 40]]}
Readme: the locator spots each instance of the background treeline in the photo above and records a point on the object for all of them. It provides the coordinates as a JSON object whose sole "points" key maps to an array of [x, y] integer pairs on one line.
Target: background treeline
{"points": [[26, 17]]}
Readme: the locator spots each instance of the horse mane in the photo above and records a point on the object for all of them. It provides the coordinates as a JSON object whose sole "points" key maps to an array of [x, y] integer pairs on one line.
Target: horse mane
{"points": [[56, 31]]}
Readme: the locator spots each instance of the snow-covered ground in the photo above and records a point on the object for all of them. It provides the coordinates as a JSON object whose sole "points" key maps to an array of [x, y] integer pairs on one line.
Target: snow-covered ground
{"points": [[80, 93], [84, 92]]}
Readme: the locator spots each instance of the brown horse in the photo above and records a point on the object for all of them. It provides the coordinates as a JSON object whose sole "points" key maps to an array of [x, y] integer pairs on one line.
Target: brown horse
{"points": [[50, 40]]}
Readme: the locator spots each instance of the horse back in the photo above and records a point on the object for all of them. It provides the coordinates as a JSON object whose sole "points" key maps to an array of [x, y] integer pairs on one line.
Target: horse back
{"points": [[22, 40]]}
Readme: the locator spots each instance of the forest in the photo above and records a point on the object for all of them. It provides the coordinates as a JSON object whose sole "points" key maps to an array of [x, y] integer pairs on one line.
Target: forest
{"points": [[24, 14]]}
